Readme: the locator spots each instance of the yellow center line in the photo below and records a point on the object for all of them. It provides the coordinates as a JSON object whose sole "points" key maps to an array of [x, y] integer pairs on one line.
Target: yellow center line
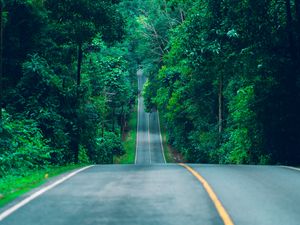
{"points": [[220, 208]]}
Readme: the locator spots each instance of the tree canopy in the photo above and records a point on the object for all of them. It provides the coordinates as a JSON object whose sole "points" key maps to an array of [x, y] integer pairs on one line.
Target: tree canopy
{"points": [[223, 74], [60, 61]]}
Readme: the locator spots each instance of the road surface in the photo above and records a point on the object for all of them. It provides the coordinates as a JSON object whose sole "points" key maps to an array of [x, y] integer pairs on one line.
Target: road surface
{"points": [[154, 193]]}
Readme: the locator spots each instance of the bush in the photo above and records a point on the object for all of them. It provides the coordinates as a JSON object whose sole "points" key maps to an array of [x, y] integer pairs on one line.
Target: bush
{"points": [[22, 146], [241, 145], [107, 147], [83, 157]]}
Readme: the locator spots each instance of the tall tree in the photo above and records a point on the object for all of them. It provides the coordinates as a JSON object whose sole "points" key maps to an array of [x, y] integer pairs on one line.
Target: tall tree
{"points": [[1, 60], [82, 20]]}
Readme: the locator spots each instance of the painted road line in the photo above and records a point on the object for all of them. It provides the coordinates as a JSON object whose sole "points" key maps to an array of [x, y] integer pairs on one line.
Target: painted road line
{"points": [[161, 142], [138, 118], [291, 168], [137, 130], [14, 208], [220, 208]]}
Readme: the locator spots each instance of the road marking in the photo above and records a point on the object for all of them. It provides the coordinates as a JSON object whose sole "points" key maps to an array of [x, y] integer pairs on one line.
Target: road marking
{"points": [[137, 129], [149, 137], [161, 142], [138, 118], [220, 208], [14, 208], [290, 167]]}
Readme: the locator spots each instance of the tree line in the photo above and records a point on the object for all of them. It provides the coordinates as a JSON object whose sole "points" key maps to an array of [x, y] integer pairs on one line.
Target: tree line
{"points": [[67, 83], [224, 75]]}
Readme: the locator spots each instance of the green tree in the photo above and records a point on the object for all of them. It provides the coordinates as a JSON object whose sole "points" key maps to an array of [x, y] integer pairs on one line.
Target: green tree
{"points": [[81, 21]]}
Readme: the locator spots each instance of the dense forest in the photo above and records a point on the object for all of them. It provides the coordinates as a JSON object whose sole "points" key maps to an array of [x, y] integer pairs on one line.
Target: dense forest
{"points": [[66, 87], [223, 74]]}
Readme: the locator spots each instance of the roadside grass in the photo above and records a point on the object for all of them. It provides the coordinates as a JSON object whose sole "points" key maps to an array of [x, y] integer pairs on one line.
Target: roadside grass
{"points": [[167, 150], [171, 155], [12, 186], [129, 142]]}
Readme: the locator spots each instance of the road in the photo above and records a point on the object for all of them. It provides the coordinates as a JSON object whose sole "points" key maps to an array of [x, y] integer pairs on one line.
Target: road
{"points": [[154, 193], [149, 145]]}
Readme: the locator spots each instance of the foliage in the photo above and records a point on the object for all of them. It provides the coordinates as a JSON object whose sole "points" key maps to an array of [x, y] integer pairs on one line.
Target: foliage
{"points": [[22, 146], [83, 156], [107, 147], [61, 62], [240, 143], [129, 141], [223, 74], [227, 81]]}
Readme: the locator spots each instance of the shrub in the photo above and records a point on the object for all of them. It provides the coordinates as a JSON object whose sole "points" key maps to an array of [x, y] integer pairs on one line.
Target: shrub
{"points": [[107, 147], [22, 146]]}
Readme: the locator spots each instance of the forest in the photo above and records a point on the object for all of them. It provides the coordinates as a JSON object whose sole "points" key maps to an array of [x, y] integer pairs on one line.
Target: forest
{"points": [[224, 76], [66, 84]]}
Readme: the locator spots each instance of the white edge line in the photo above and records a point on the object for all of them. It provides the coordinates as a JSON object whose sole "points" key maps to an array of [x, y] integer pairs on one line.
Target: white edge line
{"points": [[137, 125], [161, 142], [149, 138], [290, 167], [14, 208]]}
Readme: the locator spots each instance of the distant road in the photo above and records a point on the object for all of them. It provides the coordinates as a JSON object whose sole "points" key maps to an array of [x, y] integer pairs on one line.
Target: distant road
{"points": [[149, 146], [154, 193]]}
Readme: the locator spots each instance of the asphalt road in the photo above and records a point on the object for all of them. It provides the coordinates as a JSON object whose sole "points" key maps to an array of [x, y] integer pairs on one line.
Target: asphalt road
{"points": [[121, 195], [253, 195], [167, 195], [154, 193]]}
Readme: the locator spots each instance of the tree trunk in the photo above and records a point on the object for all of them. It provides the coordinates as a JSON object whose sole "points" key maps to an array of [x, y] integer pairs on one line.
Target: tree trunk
{"points": [[102, 133], [221, 104], [77, 132], [182, 15], [79, 63], [289, 20], [113, 120], [297, 5], [122, 121], [75, 146]]}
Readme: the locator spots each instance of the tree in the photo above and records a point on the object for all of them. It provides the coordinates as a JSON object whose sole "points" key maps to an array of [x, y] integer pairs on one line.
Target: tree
{"points": [[45, 49], [1, 59], [228, 82], [82, 20]]}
